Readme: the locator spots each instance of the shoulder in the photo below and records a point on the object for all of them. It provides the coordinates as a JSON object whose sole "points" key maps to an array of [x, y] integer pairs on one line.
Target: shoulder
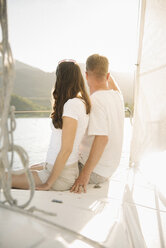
{"points": [[102, 93], [74, 102], [98, 99], [101, 97], [74, 108]]}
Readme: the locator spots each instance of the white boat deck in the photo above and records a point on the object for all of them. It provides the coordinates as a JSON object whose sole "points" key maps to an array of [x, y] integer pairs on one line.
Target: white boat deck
{"points": [[120, 214], [113, 216]]}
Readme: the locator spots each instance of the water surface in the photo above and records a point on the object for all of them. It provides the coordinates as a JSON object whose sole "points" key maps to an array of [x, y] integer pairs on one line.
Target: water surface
{"points": [[33, 135]]}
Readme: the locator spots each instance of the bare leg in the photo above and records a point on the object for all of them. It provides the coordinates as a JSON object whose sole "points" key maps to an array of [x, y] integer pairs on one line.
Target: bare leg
{"points": [[21, 181], [37, 167]]}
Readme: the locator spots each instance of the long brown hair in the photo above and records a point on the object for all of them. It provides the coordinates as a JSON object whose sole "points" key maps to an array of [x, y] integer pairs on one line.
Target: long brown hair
{"points": [[69, 84]]}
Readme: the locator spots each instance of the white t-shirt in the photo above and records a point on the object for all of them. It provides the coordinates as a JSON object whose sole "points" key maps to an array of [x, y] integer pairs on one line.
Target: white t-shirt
{"points": [[74, 108], [106, 118]]}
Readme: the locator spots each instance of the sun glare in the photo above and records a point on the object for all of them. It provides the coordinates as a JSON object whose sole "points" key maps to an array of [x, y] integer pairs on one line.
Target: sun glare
{"points": [[153, 166], [107, 214], [73, 29]]}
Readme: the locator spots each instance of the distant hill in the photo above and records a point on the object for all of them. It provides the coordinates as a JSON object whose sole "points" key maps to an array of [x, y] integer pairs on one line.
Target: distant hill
{"points": [[125, 80], [24, 104], [35, 85]]}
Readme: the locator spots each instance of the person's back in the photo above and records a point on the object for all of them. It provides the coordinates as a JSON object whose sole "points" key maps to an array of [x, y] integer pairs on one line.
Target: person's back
{"points": [[111, 124], [100, 152], [76, 109], [71, 108]]}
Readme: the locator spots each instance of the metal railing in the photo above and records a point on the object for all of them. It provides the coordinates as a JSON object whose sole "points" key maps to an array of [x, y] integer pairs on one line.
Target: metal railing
{"points": [[31, 111]]}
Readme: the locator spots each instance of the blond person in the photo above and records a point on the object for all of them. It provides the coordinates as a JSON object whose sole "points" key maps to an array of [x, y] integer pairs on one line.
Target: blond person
{"points": [[100, 150]]}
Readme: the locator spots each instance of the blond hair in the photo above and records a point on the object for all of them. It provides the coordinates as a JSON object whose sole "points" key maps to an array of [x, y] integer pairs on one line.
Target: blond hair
{"points": [[98, 65]]}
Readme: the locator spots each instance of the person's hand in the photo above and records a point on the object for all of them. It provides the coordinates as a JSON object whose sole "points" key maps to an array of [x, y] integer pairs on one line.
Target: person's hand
{"points": [[43, 186], [81, 183]]}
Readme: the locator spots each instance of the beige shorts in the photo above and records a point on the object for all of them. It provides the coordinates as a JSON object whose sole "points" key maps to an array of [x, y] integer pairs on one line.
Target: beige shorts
{"points": [[94, 177], [65, 180]]}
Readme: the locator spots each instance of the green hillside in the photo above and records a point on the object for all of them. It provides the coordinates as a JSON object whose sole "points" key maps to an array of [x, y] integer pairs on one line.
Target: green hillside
{"points": [[32, 87], [33, 84], [24, 104]]}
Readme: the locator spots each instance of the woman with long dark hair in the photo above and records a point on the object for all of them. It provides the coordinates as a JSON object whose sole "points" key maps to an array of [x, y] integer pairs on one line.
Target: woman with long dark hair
{"points": [[71, 108]]}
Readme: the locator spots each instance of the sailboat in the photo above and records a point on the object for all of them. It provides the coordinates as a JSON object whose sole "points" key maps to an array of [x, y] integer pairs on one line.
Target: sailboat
{"points": [[129, 210]]}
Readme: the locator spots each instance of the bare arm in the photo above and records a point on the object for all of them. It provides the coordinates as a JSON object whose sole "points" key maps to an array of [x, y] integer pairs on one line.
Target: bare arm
{"points": [[112, 84], [97, 149], [68, 137]]}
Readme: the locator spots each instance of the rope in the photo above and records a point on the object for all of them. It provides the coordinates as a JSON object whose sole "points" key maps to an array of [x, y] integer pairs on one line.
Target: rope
{"points": [[7, 120], [33, 209]]}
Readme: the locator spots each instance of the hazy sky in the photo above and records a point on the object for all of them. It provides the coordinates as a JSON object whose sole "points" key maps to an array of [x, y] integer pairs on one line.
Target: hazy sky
{"points": [[42, 32]]}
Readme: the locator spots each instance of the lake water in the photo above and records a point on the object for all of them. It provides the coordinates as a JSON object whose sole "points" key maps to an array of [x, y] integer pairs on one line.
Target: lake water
{"points": [[33, 135]]}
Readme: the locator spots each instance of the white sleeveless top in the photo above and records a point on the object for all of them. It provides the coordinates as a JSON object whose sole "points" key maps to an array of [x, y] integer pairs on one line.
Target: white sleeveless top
{"points": [[74, 108]]}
